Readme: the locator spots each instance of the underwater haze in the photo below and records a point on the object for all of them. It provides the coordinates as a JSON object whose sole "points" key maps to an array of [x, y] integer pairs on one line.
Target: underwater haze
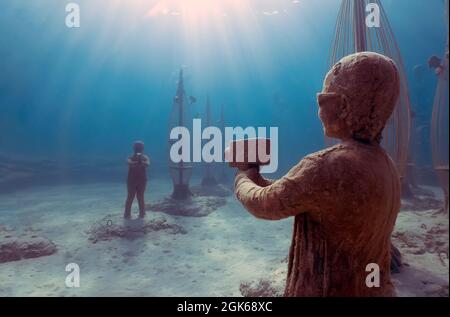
{"points": [[91, 91]]}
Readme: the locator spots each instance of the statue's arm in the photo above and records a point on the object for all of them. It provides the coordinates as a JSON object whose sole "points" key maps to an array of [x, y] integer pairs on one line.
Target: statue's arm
{"points": [[262, 181], [130, 160], [295, 193]]}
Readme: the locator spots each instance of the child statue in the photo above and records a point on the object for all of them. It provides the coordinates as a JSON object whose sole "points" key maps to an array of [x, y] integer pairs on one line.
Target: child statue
{"points": [[137, 179], [345, 199]]}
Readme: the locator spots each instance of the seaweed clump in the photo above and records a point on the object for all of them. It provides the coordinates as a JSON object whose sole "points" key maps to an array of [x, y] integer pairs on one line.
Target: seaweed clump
{"points": [[115, 227]]}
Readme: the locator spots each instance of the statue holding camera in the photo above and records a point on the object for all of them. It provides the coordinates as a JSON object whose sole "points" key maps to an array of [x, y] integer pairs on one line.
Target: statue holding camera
{"points": [[137, 179], [345, 199]]}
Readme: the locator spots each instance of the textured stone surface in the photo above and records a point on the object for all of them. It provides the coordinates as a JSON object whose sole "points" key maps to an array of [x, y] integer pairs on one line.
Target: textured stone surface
{"points": [[368, 85]]}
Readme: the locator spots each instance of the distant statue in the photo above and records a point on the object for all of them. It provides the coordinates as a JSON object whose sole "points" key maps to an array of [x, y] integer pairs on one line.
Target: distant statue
{"points": [[435, 63], [345, 199], [137, 179]]}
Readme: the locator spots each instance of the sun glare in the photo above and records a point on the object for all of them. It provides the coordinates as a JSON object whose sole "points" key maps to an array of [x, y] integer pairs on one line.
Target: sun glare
{"points": [[196, 9]]}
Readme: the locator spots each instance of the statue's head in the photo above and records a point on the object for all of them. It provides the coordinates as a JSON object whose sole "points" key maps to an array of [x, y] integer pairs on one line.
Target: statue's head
{"points": [[138, 147], [358, 97]]}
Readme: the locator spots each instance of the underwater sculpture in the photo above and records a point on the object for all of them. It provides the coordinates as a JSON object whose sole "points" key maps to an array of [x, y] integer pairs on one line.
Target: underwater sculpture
{"points": [[436, 64], [353, 35], [184, 201], [210, 187], [180, 172], [345, 199], [439, 121], [137, 179]]}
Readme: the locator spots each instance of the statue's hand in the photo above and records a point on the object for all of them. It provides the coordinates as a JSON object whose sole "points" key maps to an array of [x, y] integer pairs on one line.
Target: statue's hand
{"points": [[251, 171], [243, 167]]}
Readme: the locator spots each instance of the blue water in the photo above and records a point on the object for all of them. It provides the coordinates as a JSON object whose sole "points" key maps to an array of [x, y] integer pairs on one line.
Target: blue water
{"points": [[90, 92]]}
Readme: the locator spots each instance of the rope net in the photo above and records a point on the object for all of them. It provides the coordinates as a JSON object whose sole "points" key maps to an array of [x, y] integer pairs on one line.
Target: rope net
{"points": [[352, 36]]}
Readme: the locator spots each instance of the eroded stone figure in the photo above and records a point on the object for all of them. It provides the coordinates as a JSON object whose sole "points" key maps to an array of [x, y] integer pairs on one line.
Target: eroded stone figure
{"points": [[137, 179], [345, 199]]}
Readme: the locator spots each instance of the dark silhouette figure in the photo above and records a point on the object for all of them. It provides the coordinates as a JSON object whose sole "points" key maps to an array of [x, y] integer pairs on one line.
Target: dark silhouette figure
{"points": [[137, 179]]}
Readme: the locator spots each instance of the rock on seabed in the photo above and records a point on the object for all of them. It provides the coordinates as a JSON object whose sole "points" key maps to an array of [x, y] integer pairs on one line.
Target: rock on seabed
{"points": [[18, 248]]}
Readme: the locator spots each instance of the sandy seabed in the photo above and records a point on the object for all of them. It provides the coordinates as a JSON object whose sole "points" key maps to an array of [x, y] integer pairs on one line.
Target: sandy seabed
{"points": [[227, 253]]}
